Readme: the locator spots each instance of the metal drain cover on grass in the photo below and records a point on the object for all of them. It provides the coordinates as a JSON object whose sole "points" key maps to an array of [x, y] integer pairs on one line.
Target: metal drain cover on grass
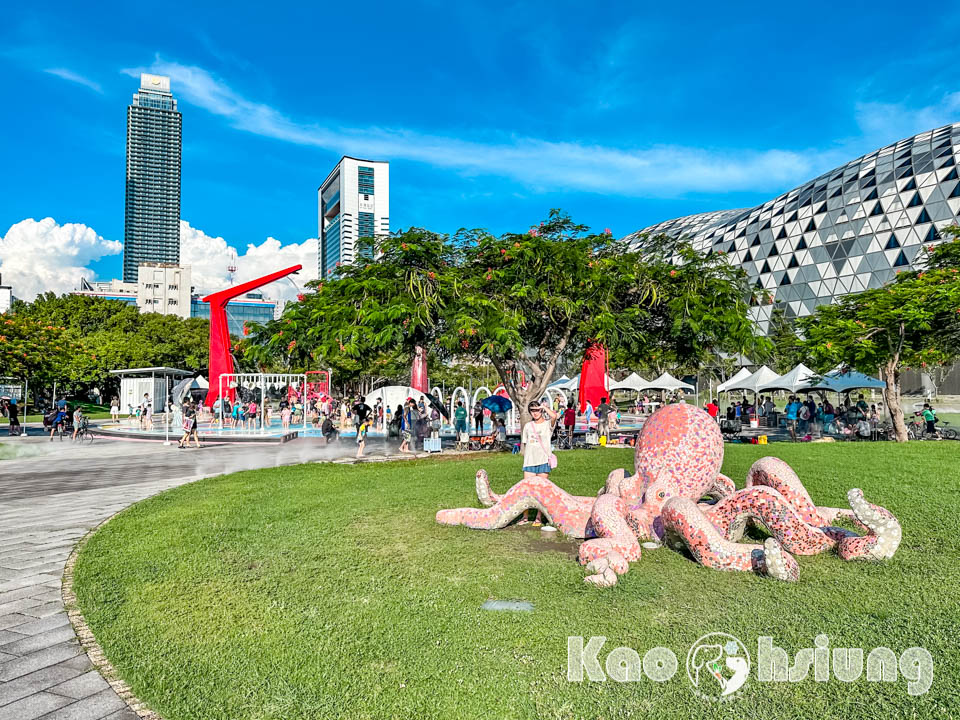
{"points": [[508, 605]]}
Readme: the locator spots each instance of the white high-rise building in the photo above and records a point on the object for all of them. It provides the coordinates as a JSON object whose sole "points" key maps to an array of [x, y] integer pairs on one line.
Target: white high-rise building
{"points": [[353, 203], [164, 288]]}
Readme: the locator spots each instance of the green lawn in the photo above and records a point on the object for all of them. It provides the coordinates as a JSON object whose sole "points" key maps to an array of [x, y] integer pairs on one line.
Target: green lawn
{"points": [[324, 591]]}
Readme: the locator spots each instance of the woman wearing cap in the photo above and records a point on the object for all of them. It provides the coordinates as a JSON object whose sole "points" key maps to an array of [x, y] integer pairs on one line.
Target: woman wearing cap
{"points": [[535, 439]]}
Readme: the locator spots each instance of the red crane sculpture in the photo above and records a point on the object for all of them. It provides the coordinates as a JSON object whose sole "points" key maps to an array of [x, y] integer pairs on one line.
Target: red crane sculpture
{"points": [[221, 362]]}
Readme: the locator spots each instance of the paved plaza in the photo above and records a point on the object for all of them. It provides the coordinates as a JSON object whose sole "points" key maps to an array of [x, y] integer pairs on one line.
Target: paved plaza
{"points": [[49, 499]]}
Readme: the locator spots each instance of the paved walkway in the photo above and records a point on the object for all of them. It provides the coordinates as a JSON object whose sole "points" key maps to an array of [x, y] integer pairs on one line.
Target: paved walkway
{"points": [[51, 498]]}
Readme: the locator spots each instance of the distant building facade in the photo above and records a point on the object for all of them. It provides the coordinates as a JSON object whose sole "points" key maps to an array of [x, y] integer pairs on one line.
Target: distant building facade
{"points": [[353, 203], [849, 230], [109, 290], [6, 296], [246, 309], [164, 288], [152, 200]]}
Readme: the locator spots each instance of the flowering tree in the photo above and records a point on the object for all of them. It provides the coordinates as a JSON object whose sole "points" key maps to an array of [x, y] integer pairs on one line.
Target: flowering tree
{"points": [[913, 321], [30, 349]]}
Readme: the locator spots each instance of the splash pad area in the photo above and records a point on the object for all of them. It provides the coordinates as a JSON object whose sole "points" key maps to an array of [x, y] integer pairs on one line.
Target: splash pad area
{"points": [[275, 433]]}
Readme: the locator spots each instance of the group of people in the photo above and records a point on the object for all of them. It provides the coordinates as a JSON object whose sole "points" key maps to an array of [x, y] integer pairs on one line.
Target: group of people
{"points": [[805, 417]]}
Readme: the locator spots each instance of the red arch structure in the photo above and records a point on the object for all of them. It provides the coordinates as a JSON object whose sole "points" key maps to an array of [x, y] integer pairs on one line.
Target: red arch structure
{"points": [[220, 360]]}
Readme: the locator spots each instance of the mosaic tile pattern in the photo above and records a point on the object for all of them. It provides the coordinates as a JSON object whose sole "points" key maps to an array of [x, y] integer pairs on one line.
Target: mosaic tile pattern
{"points": [[678, 495], [846, 231]]}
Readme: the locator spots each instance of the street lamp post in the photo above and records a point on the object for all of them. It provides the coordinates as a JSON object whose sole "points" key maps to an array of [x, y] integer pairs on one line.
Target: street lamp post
{"points": [[169, 407]]}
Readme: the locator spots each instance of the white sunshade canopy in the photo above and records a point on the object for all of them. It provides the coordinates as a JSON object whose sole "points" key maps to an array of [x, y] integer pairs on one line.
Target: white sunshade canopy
{"points": [[631, 382], [754, 382], [743, 374], [800, 378], [668, 382]]}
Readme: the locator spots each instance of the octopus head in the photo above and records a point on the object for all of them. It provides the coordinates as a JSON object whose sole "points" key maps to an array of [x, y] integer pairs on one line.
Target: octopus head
{"points": [[679, 453]]}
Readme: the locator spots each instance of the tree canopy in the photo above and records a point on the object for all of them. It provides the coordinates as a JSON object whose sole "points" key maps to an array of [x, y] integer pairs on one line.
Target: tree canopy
{"points": [[912, 322], [99, 335], [520, 301]]}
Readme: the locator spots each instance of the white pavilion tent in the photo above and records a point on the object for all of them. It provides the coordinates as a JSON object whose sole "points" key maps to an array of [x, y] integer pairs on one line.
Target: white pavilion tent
{"points": [[800, 378], [668, 382], [760, 378], [631, 382], [743, 374]]}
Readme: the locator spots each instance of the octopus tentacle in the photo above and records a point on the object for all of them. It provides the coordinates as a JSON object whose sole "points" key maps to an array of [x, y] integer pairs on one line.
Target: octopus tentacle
{"points": [[616, 545], [687, 525], [569, 513], [722, 487], [485, 495], [775, 473], [884, 534], [780, 517]]}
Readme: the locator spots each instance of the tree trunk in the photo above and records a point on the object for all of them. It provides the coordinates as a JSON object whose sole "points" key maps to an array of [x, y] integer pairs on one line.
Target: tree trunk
{"points": [[891, 396]]}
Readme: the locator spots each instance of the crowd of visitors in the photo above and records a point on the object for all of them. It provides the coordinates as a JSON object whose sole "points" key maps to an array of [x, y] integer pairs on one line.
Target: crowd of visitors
{"points": [[805, 418]]}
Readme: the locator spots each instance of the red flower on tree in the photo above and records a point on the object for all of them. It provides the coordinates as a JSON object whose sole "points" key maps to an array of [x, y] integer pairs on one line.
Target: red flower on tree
{"points": [[299, 297]]}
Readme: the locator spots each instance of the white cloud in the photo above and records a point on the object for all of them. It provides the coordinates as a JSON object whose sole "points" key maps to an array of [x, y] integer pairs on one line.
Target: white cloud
{"points": [[884, 123], [664, 170], [210, 256], [75, 77], [40, 255]]}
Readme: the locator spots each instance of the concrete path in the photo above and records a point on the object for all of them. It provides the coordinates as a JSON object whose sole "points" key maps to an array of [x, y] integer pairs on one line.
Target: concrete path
{"points": [[49, 499]]}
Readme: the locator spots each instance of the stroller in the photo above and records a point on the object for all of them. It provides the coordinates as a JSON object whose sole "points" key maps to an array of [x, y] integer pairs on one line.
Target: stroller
{"points": [[730, 429]]}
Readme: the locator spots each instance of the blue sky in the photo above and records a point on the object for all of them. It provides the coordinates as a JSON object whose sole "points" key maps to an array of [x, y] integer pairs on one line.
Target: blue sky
{"points": [[624, 114]]}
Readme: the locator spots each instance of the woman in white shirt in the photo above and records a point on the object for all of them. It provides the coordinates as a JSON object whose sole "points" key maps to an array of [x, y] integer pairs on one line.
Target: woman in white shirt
{"points": [[536, 441]]}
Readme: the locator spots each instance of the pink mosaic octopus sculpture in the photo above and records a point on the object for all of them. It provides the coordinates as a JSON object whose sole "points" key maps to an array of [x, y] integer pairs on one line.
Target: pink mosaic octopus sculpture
{"points": [[678, 495]]}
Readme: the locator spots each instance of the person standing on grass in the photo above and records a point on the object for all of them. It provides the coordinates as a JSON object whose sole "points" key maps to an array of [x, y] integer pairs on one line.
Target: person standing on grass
{"points": [[712, 408], [603, 415], [930, 418], [538, 459], [569, 422], [535, 441]]}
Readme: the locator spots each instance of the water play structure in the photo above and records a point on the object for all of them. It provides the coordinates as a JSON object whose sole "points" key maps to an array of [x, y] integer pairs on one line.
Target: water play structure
{"points": [[221, 361]]}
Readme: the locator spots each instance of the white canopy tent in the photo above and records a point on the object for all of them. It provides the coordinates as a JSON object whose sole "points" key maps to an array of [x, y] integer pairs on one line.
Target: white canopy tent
{"points": [[559, 382], [631, 382], [668, 382], [800, 378], [742, 374], [760, 378]]}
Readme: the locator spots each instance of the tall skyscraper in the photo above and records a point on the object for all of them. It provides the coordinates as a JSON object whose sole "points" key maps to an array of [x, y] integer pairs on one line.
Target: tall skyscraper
{"points": [[152, 209], [354, 202]]}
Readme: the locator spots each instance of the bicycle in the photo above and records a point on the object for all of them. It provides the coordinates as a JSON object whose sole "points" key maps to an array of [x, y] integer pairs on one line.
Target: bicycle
{"points": [[947, 433], [84, 434]]}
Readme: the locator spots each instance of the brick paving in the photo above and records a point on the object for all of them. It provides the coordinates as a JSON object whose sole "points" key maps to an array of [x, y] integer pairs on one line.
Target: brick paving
{"points": [[49, 499]]}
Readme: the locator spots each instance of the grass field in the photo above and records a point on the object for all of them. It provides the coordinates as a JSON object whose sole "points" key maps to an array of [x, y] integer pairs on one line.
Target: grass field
{"points": [[324, 591]]}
